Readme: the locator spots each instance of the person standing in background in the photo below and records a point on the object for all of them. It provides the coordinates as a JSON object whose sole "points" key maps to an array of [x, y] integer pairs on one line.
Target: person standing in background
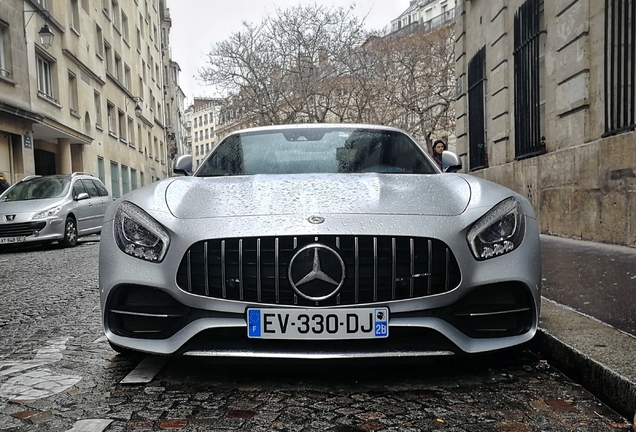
{"points": [[4, 184], [438, 148]]}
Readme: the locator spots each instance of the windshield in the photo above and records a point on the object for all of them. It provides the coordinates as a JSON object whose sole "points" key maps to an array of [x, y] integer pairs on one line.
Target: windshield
{"points": [[37, 188], [316, 150]]}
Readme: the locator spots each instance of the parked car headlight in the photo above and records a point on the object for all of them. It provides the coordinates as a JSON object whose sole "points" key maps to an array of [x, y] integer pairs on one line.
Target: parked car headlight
{"points": [[48, 212], [139, 235], [499, 231]]}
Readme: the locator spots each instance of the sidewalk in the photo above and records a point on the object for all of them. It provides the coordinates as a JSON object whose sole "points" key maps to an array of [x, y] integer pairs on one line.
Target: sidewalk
{"points": [[574, 337]]}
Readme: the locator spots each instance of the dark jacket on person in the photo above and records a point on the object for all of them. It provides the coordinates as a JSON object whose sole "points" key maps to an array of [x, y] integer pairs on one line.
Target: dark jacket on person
{"points": [[4, 185]]}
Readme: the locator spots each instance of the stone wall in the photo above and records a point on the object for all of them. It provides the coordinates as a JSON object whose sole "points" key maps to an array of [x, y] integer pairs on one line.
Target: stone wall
{"points": [[584, 186]]}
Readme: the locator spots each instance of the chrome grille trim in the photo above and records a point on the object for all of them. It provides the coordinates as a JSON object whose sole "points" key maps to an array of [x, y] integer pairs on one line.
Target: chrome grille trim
{"points": [[277, 269], [258, 270], [378, 269], [189, 271], [205, 269]]}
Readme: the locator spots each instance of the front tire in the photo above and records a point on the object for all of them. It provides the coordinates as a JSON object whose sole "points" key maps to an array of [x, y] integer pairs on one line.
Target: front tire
{"points": [[70, 232]]}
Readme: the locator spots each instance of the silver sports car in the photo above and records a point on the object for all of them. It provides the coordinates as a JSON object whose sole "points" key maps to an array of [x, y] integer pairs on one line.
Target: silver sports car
{"points": [[320, 241]]}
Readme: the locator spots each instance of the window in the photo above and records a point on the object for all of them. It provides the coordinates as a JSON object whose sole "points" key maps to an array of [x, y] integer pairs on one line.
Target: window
{"points": [[98, 110], [45, 79], [118, 69], [131, 132], [126, 76], [139, 137], [133, 179], [101, 174], [74, 15], [122, 125], [5, 51], [85, 6], [620, 66], [114, 179], [115, 14], [156, 148], [101, 189], [125, 185], [157, 74], [90, 187], [109, 60], [141, 87], [477, 110], [111, 117], [142, 181], [141, 26], [100, 41], [106, 8], [72, 87], [529, 49], [138, 40], [124, 26]]}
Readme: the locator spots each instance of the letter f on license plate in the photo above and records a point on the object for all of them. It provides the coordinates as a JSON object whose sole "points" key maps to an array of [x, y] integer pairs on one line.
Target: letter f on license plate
{"points": [[353, 323]]}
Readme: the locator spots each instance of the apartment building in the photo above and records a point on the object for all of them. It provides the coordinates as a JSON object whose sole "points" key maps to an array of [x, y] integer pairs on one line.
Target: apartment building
{"points": [[202, 115], [91, 100], [424, 15], [546, 105]]}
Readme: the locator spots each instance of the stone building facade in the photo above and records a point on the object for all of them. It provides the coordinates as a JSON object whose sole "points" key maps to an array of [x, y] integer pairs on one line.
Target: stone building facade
{"points": [[94, 100], [546, 101]]}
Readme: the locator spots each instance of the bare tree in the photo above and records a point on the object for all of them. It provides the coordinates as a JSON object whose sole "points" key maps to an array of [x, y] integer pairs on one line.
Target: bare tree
{"points": [[416, 76], [316, 64], [285, 67]]}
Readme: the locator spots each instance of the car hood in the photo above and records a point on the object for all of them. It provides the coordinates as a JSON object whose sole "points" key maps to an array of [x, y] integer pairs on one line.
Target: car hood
{"points": [[27, 206], [315, 194]]}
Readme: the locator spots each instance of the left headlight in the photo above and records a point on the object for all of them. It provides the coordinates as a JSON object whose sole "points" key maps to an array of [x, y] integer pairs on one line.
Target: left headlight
{"points": [[48, 212], [499, 231], [138, 234]]}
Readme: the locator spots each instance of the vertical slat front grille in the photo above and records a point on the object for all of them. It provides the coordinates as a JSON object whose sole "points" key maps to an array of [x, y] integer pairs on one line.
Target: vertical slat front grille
{"points": [[377, 269]]}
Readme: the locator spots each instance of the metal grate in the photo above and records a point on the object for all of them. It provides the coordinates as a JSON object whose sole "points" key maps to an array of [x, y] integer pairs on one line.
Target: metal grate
{"points": [[620, 66], [20, 229], [377, 269], [528, 51], [477, 111]]}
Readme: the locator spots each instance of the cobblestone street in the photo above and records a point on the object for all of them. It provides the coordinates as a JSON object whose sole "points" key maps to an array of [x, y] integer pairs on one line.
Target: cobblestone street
{"points": [[57, 373]]}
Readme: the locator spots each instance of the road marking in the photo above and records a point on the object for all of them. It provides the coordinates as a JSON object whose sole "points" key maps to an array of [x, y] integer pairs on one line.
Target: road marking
{"points": [[37, 384], [145, 371], [92, 425]]}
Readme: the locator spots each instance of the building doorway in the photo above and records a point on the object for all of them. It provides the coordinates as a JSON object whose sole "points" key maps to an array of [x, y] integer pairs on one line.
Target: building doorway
{"points": [[44, 162]]}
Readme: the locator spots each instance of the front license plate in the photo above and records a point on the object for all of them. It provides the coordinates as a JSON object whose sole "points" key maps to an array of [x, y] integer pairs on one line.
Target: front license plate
{"points": [[19, 239], [277, 323]]}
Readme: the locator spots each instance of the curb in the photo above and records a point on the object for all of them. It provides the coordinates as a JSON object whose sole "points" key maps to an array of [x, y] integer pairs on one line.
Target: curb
{"points": [[598, 356]]}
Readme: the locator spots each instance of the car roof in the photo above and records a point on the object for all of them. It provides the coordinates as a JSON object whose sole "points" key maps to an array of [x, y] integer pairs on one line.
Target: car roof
{"points": [[319, 126]]}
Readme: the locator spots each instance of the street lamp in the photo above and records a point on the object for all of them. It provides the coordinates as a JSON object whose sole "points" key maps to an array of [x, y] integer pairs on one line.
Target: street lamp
{"points": [[46, 35], [138, 110]]}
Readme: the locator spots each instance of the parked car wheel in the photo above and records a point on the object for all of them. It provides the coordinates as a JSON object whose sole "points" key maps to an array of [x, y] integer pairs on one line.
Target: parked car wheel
{"points": [[70, 233]]}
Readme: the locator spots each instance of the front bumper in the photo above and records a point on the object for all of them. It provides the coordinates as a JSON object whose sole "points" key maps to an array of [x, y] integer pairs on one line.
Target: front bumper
{"points": [[422, 326], [40, 230]]}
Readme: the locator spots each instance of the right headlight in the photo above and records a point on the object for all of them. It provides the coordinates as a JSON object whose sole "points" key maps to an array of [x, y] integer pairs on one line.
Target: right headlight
{"points": [[499, 231], [139, 235]]}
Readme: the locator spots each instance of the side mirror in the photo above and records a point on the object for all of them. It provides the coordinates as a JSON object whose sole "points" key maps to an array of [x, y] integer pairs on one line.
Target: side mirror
{"points": [[450, 162], [82, 196], [183, 165]]}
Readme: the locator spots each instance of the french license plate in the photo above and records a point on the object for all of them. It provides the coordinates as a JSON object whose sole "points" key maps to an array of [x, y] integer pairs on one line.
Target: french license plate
{"points": [[19, 239], [278, 323]]}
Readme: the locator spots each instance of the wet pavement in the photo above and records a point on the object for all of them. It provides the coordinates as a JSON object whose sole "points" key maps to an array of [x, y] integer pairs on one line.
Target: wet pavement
{"points": [[593, 278]]}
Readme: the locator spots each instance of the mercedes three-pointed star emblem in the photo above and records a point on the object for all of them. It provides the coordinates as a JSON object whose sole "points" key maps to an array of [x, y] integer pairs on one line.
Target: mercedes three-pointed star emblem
{"points": [[316, 278]]}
